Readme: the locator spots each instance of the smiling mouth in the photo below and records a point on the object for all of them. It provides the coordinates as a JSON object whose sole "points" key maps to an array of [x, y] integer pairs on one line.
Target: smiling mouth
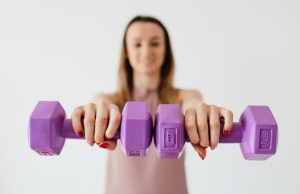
{"points": [[147, 62]]}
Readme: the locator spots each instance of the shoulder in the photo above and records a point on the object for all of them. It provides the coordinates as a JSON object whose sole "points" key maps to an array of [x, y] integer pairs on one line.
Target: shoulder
{"points": [[108, 97], [188, 94]]}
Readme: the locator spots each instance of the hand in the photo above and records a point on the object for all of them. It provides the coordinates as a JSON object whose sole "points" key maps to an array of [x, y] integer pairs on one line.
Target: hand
{"points": [[101, 122], [202, 124]]}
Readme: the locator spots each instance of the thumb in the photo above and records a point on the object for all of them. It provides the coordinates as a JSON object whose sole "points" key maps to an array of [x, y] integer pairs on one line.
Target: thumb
{"points": [[108, 144], [200, 150]]}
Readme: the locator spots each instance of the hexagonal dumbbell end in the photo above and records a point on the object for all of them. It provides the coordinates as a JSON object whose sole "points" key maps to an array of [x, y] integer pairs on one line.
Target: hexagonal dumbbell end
{"points": [[260, 135], [137, 136], [169, 137], [45, 128]]}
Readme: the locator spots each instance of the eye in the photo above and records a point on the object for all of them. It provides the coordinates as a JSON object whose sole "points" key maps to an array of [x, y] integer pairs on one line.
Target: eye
{"points": [[154, 44], [137, 45]]}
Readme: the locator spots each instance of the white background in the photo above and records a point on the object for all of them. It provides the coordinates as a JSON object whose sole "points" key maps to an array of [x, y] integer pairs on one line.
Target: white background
{"points": [[235, 52]]}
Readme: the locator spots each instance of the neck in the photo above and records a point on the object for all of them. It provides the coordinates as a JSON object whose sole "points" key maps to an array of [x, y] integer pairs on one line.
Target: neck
{"points": [[146, 81]]}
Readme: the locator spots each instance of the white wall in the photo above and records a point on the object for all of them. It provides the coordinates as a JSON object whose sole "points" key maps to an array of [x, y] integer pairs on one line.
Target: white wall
{"points": [[236, 52]]}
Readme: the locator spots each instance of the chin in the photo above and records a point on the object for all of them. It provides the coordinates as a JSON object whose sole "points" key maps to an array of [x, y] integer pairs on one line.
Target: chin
{"points": [[150, 71], [147, 69]]}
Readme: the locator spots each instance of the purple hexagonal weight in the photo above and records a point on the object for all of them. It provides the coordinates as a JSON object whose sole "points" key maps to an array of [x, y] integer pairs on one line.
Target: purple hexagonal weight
{"points": [[138, 125], [260, 136], [169, 131], [44, 130]]}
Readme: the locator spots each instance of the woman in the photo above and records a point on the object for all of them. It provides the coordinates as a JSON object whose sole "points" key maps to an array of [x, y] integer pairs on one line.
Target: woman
{"points": [[146, 74]]}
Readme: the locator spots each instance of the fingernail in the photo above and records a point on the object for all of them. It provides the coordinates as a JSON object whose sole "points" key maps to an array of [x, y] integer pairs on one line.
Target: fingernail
{"points": [[103, 145], [225, 132], [80, 133], [201, 156]]}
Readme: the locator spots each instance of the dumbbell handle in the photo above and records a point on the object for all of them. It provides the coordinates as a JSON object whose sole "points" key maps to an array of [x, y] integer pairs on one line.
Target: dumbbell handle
{"points": [[69, 133], [235, 135]]}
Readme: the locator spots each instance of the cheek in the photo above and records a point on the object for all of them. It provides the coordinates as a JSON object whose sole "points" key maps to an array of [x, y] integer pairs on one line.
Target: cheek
{"points": [[161, 52], [132, 55]]}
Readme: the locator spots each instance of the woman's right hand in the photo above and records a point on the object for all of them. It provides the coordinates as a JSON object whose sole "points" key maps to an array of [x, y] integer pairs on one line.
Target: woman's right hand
{"points": [[98, 123]]}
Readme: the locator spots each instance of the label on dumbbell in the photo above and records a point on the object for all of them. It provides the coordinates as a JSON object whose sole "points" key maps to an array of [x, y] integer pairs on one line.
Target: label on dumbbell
{"points": [[44, 153], [170, 137], [265, 139], [134, 152]]}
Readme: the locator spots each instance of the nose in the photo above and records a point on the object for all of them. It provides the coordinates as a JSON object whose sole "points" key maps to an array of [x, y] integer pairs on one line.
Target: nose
{"points": [[146, 51]]}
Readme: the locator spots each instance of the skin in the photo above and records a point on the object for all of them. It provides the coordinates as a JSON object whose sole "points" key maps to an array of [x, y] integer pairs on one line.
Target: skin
{"points": [[145, 51]]}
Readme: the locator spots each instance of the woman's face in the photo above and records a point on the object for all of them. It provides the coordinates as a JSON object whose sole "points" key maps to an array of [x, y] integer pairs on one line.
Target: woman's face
{"points": [[145, 47]]}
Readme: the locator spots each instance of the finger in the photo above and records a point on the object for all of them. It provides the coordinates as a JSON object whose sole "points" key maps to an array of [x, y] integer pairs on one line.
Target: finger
{"points": [[114, 121], [89, 123], [202, 125], [101, 122], [200, 150], [76, 116], [191, 126], [228, 121], [108, 144], [214, 126]]}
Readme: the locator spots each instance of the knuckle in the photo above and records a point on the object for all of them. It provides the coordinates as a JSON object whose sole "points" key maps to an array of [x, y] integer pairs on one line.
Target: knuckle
{"points": [[189, 125], [89, 132], [204, 143], [189, 111], [214, 125], [230, 113], [227, 112], [89, 106], [116, 119], [194, 140], [109, 133], [77, 111], [213, 107], [89, 120], [202, 105], [202, 126], [102, 119], [114, 107], [100, 104]]}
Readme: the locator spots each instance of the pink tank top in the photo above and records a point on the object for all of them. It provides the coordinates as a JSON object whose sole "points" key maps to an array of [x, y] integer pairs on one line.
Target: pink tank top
{"points": [[144, 175]]}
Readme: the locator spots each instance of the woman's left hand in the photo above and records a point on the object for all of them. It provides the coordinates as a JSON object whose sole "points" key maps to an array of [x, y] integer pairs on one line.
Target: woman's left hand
{"points": [[202, 124]]}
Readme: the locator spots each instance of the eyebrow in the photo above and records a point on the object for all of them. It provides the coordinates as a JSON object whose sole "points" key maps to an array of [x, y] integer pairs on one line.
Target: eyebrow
{"points": [[153, 38]]}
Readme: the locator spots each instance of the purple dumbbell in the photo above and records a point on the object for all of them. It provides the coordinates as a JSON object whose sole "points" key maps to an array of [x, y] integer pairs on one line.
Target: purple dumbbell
{"points": [[256, 132], [48, 128]]}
